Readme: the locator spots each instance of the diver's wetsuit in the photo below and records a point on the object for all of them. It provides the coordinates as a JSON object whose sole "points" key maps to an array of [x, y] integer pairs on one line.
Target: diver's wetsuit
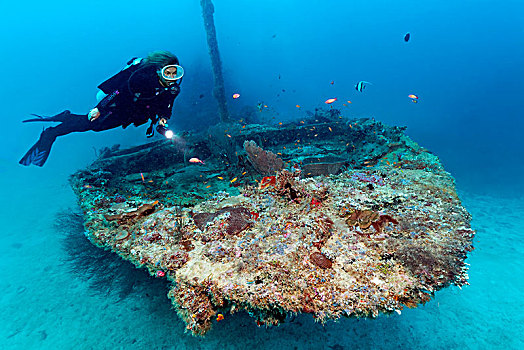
{"points": [[134, 96]]}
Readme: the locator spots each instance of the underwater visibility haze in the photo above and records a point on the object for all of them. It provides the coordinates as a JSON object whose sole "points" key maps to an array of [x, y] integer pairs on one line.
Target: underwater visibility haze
{"points": [[364, 192]]}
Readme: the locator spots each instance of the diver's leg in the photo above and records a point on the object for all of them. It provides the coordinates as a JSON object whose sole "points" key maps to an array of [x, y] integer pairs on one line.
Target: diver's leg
{"points": [[39, 153]]}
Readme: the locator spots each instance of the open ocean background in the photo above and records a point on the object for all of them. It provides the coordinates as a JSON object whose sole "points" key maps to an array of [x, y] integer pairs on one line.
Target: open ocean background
{"points": [[465, 61]]}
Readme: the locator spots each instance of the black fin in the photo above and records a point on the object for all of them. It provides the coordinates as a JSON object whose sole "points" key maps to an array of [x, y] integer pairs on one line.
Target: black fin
{"points": [[40, 151], [60, 117]]}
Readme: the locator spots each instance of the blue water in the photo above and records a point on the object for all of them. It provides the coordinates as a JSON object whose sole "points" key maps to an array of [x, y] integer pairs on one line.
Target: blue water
{"points": [[464, 61]]}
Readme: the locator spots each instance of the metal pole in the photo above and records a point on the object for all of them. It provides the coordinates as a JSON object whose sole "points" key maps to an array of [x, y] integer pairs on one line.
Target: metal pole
{"points": [[219, 92]]}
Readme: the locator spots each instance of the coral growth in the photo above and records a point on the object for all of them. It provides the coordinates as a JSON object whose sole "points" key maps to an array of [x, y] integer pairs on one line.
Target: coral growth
{"points": [[366, 218], [126, 218], [320, 260]]}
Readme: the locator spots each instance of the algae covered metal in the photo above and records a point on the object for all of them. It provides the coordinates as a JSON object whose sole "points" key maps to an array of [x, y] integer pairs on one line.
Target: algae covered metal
{"points": [[352, 218]]}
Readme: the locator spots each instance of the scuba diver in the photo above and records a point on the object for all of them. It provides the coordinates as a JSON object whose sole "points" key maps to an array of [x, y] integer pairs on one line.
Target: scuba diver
{"points": [[143, 90]]}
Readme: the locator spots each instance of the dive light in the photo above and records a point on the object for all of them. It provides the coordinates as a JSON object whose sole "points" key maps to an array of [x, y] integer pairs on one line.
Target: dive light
{"points": [[161, 129]]}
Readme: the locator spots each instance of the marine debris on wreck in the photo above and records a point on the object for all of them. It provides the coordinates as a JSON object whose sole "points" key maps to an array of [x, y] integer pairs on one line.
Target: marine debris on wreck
{"points": [[328, 216]]}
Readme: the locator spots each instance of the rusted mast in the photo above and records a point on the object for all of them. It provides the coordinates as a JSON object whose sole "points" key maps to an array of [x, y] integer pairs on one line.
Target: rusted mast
{"points": [[219, 92]]}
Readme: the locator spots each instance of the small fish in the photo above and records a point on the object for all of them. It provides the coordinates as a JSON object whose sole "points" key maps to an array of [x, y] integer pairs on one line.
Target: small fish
{"points": [[349, 101], [235, 179], [88, 186], [298, 106], [330, 129], [201, 95], [196, 160], [361, 85], [406, 37], [332, 82], [413, 96], [414, 101], [142, 175], [208, 186], [260, 106], [330, 100], [220, 317], [228, 135], [244, 173], [235, 96], [220, 177]]}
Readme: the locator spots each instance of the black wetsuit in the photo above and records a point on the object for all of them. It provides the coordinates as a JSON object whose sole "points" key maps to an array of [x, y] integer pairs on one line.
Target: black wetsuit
{"points": [[134, 96]]}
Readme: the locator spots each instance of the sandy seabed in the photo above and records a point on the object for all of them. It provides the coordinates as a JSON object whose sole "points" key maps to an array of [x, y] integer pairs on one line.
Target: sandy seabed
{"points": [[45, 305]]}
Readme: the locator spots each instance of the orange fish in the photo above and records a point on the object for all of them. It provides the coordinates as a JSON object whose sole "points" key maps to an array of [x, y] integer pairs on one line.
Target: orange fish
{"points": [[330, 101], [143, 180], [235, 179], [298, 106], [413, 96], [196, 160], [235, 96], [220, 317], [349, 101]]}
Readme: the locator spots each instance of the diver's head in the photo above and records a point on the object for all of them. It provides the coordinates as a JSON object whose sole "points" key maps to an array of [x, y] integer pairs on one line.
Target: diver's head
{"points": [[168, 68]]}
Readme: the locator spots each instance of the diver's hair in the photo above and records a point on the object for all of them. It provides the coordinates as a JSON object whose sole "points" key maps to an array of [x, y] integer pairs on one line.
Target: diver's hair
{"points": [[161, 58]]}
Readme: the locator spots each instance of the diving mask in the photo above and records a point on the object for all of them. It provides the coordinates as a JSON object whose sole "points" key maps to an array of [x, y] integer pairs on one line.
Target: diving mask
{"points": [[173, 72]]}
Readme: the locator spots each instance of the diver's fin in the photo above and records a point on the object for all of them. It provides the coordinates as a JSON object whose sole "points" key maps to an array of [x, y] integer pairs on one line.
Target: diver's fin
{"points": [[39, 153], [60, 117], [36, 156]]}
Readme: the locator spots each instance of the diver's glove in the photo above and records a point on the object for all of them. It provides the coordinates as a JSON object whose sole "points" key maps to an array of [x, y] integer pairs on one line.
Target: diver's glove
{"points": [[93, 114]]}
